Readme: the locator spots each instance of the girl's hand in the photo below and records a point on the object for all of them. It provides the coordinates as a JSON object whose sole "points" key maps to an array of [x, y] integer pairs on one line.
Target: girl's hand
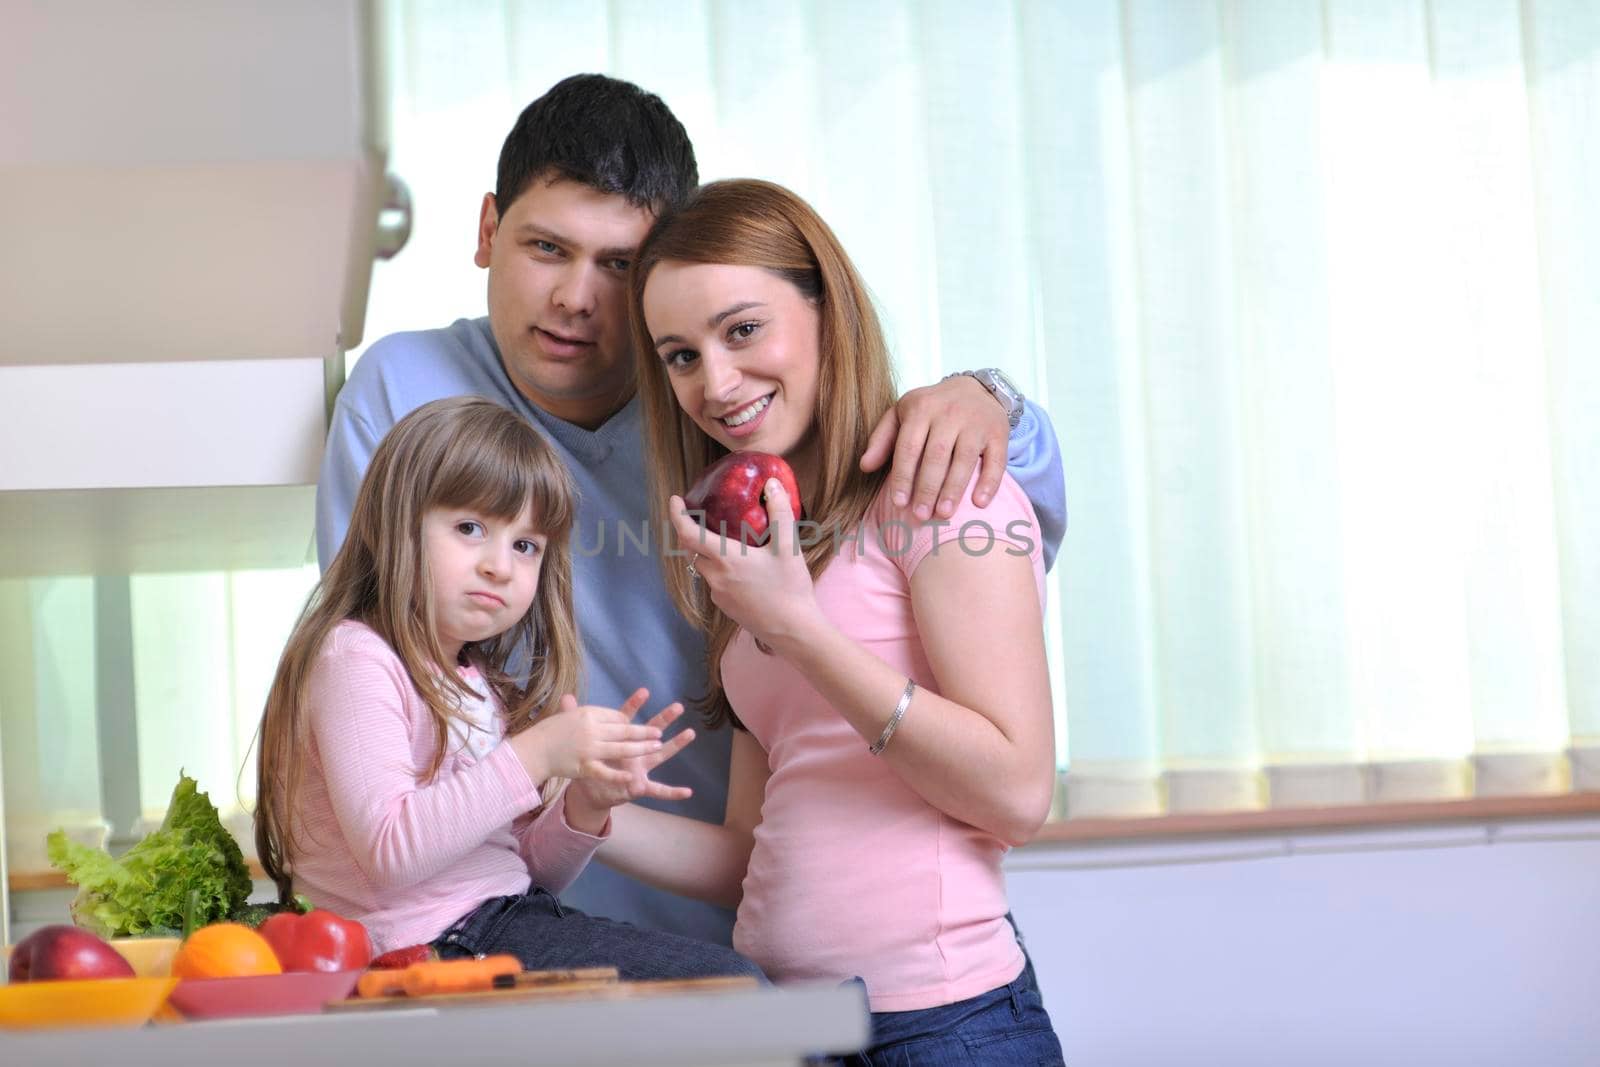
{"points": [[764, 588], [586, 742], [589, 800]]}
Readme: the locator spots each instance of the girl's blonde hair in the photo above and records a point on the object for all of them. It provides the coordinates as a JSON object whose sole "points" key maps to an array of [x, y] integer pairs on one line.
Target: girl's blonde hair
{"points": [[759, 224], [464, 452]]}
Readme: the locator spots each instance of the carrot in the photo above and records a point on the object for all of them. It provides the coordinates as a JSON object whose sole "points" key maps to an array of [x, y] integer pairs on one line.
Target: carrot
{"points": [[380, 983], [457, 976]]}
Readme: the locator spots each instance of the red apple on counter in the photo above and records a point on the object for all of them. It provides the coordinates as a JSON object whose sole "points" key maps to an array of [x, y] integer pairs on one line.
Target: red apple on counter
{"points": [[730, 493], [63, 951]]}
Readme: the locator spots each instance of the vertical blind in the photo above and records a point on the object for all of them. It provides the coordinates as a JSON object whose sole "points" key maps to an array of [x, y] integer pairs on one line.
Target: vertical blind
{"points": [[1311, 289]]}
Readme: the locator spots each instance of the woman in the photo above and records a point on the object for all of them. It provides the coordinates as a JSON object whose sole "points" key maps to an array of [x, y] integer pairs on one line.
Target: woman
{"points": [[888, 686]]}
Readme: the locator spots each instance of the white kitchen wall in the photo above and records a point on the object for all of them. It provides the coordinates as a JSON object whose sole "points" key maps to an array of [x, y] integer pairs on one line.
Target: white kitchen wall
{"points": [[1469, 945]]}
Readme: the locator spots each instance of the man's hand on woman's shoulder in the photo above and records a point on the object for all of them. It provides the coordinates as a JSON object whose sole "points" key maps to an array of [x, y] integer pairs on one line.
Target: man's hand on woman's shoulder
{"points": [[939, 434]]}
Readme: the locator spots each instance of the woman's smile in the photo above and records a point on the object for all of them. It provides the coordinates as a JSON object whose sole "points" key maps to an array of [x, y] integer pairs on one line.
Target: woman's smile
{"points": [[745, 421]]}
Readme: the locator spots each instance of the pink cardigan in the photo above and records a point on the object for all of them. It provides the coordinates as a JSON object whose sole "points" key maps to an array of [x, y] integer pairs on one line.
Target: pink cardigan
{"points": [[407, 857]]}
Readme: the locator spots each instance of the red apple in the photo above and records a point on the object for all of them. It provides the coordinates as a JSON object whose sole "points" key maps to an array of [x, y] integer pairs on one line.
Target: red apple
{"points": [[63, 951], [730, 493]]}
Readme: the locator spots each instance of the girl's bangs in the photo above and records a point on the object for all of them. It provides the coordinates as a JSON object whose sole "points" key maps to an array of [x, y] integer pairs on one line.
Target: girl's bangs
{"points": [[495, 478]]}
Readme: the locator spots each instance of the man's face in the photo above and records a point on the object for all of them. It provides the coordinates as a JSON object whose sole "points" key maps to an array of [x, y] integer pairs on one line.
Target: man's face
{"points": [[558, 267]]}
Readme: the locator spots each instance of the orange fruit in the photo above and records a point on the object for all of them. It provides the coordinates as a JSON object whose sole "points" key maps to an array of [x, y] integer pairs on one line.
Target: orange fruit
{"points": [[224, 950]]}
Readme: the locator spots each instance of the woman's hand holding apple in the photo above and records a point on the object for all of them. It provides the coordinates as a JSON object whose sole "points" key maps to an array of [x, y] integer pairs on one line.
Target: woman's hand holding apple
{"points": [[766, 589]]}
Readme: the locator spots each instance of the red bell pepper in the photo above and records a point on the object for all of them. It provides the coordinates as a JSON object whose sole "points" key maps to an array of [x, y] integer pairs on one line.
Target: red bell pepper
{"points": [[319, 940]]}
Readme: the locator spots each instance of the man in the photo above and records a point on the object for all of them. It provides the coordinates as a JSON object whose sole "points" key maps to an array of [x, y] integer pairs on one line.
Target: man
{"points": [[582, 175]]}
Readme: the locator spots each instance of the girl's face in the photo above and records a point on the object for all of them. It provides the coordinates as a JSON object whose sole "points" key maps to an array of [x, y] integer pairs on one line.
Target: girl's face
{"points": [[484, 572], [741, 350]]}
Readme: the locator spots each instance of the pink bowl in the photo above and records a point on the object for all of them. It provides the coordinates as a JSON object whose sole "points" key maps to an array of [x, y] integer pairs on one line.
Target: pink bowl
{"points": [[297, 993]]}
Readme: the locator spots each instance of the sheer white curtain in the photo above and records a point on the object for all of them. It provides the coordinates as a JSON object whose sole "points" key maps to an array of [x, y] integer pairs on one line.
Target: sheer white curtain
{"points": [[1311, 289], [198, 653], [47, 715], [1308, 287]]}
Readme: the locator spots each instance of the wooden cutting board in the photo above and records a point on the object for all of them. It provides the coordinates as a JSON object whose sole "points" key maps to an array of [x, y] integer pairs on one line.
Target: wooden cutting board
{"points": [[597, 982]]}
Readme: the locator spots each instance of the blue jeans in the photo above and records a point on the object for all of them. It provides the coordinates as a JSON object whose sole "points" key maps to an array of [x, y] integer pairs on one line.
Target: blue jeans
{"points": [[1006, 1026], [544, 935]]}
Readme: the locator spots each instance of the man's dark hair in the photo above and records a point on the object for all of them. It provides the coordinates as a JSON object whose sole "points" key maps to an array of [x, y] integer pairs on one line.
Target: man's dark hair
{"points": [[602, 132]]}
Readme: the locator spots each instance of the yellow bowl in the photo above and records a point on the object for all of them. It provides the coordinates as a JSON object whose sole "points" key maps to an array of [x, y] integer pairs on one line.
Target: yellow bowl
{"points": [[83, 1002], [150, 957]]}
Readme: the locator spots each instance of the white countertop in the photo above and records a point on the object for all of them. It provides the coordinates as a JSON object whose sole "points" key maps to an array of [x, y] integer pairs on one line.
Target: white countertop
{"points": [[747, 1027]]}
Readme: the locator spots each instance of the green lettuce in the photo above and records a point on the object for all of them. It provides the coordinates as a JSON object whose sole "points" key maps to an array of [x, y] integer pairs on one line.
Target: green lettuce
{"points": [[189, 861]]}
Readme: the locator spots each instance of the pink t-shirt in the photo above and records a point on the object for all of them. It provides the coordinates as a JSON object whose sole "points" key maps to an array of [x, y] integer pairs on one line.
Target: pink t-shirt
{"points": [[407, 857], [854, 874]]}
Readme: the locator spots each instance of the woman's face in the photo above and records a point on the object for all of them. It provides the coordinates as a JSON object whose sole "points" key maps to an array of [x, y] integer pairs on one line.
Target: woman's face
{"points": [[741, 350]]}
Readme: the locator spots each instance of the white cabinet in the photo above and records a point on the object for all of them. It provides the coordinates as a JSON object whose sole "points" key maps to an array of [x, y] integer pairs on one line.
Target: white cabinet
{"points": [[125, 468], [189, 196]]}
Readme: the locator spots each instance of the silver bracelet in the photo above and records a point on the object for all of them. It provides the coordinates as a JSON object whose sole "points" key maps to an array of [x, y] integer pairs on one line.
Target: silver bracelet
{"points": [[894, 720]]}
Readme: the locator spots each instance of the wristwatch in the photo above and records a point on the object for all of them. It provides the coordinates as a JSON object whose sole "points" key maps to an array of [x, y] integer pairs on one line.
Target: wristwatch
{"points": [[1001, 388]]}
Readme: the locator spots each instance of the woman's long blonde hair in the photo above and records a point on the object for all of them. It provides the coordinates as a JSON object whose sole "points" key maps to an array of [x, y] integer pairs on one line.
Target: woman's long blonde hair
{"points": [[759, 224], [464, 452]]}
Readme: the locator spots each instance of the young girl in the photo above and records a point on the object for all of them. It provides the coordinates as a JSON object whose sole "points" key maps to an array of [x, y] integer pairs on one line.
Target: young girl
{"points": [[406, 779], [888, 682]]}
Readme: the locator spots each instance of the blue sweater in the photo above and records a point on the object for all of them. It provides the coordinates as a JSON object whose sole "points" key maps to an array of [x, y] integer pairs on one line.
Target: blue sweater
{"points": [[632, 635]]}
